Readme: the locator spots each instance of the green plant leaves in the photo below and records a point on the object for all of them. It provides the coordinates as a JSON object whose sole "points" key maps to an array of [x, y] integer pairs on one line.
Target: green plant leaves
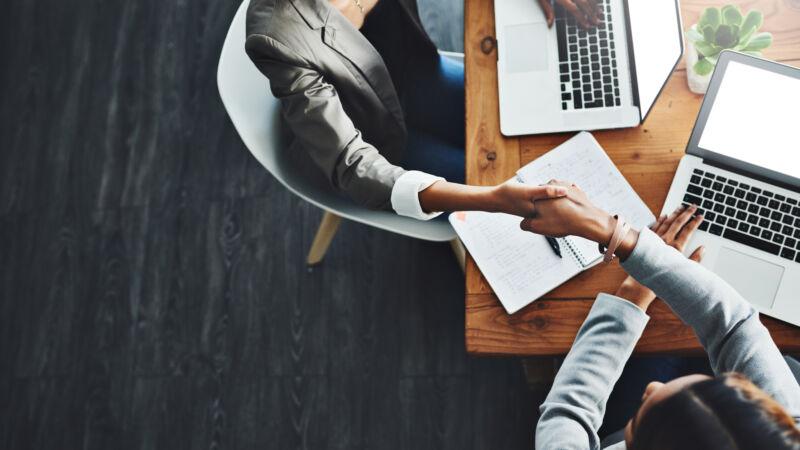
{"points": [[709, 33], [703, 67], [725, 37], [692, 35], [759, 42], [726, 28], [731, 15], [751, 23], [706, 49], [711, 18]]}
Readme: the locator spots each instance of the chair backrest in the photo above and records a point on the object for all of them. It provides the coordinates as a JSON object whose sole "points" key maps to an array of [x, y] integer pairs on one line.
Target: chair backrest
{"points": [[255, 114]]}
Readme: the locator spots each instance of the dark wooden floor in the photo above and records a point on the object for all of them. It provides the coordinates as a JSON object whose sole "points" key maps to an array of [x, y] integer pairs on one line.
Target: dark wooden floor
{"points": [[152, 286]]}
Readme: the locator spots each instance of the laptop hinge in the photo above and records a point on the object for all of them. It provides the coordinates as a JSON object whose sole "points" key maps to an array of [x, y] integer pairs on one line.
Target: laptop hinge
{"points": [[632, 59], [752, 175]]}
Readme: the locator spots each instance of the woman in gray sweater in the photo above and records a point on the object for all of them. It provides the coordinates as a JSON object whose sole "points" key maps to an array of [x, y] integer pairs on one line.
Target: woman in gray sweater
{"points": [[752, 403]]}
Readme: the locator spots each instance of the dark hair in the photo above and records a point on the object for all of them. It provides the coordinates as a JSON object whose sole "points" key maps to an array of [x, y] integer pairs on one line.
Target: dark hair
{"points": [[728, 412]]}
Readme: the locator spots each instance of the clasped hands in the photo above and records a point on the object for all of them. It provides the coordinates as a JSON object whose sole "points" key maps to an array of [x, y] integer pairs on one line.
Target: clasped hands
{"points": [[573, 214]]}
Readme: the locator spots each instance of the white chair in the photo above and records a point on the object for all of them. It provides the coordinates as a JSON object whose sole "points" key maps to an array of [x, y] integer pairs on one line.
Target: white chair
{"points": [[256, 116]]}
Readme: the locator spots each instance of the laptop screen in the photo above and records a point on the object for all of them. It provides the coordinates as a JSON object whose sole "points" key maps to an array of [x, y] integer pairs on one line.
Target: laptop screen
{"points": [[754, 119], [657, 42]]}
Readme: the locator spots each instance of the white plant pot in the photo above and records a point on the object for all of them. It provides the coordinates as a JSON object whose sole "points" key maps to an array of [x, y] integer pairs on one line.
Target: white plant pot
{"points": [[697, 83]]}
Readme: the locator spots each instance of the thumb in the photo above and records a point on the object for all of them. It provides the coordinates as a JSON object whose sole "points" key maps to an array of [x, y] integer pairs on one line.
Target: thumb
{"points": [[547, 191], [526, 224], [697, 254], [548, 11]]}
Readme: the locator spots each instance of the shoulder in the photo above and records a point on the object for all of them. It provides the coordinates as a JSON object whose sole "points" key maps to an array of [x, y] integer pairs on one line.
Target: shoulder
{"points": [[275, 28], [274, 18]]}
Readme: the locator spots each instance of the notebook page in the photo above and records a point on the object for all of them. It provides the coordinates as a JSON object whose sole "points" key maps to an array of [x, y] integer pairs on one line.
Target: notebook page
{"points": [[519, 266], [582, 161], [584, 250]]}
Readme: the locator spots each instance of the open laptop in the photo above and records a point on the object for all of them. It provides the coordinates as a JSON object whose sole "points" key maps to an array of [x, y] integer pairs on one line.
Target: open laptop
{"points": [[742, 168], [566, 78]]}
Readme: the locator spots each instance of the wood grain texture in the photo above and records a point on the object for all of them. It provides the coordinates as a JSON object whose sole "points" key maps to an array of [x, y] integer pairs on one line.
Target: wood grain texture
{"points": [[153, 286], [647, 156]]}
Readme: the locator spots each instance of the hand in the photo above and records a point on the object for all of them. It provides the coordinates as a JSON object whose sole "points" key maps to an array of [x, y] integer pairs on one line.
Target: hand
{"points": [[586, 12], [676, 230], [572, 215], [518, 199]]}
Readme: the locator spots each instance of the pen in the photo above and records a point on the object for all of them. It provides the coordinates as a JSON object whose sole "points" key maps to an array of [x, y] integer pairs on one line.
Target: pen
{"points": [[554, 245]]}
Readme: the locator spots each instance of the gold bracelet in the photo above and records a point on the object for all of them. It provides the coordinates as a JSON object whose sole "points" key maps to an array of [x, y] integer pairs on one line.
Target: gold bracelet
{"points": [[360, 6]]}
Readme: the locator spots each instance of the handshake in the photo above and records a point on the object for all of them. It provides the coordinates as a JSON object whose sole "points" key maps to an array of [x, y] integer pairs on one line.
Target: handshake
{"points": [[555, 209], [562, 209]]}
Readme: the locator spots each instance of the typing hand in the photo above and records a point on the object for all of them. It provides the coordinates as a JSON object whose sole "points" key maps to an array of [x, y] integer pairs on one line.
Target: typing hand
{"points": [[676, 230], [586, 12]]}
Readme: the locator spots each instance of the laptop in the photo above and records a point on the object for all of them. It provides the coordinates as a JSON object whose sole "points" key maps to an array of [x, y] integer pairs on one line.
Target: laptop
{"points": [[742, 167], [566, 78]]}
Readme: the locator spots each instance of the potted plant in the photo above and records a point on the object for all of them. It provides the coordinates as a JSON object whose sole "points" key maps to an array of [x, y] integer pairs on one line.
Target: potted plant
{"points": [[718, 30]]}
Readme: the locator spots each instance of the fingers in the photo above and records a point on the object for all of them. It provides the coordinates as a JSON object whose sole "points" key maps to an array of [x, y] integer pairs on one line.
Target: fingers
{"points": [[599, 12], [547, 191], [675, 227], [665, 224], [559, 183], [547, 8], [658, 222], [527, 225], [576, 12], [589, 8], [697, 254], [687, 231]]}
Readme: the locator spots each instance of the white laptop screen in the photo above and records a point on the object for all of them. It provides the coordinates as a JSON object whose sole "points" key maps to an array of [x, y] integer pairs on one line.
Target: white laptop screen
{"points": [[657, 46], [755, 119]]}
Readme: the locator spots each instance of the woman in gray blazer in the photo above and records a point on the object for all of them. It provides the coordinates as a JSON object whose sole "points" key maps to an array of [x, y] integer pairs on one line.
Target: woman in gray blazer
{"points": [[367, 96], [752, 402]]}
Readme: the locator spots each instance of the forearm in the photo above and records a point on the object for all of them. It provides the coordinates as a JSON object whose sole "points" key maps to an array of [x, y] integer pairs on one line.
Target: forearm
{"points": [[447, 196], [699, 297], [727, 325], [574, 408], [600, 228]]}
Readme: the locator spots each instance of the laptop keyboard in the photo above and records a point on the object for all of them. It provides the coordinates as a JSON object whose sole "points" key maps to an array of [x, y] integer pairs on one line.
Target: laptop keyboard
{"points": [[587, 62], [746, 214]]}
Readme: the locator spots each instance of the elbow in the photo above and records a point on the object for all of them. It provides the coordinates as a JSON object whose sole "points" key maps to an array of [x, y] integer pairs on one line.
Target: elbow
{"points": [[366, 177], [374, 194]]}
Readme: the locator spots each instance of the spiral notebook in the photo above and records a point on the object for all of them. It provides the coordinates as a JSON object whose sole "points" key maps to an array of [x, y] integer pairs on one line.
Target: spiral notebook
{"points": [[520, 266]]}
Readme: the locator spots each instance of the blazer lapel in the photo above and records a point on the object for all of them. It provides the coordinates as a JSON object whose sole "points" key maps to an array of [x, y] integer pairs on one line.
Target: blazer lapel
{"points": [[340, 35]]}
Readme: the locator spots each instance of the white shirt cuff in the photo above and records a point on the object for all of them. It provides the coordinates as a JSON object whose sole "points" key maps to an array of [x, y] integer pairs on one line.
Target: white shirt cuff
{"points": [[405, 194]]}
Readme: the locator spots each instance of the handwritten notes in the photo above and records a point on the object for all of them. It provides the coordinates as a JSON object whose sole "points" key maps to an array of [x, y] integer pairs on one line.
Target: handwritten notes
{"points": [[581, 160], [521, 266]]}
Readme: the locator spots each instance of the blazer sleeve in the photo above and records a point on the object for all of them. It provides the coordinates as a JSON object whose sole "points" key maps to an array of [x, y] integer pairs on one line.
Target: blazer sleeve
{"points": [[314, 112]]}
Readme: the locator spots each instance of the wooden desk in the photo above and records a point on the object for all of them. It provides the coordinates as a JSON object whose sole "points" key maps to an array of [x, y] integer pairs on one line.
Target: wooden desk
{"points": [[647, 156]]}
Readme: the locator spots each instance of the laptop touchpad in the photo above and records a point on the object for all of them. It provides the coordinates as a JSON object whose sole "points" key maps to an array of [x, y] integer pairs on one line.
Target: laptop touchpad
{"points": [[525, 47], [755, 279]]}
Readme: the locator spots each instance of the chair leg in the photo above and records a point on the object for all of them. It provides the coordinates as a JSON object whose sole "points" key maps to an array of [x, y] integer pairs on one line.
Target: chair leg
{"points": [[325, 232], [460, 252]]}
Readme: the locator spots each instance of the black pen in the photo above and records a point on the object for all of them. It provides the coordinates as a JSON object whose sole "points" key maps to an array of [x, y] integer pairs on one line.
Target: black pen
{"points": [[554, 245]]}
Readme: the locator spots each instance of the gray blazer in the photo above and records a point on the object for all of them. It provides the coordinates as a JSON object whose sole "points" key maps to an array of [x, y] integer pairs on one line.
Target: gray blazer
{"points": [[336, 94]]}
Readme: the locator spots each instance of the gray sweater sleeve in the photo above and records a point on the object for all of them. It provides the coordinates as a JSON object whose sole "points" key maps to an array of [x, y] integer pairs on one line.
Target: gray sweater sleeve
{"points": [[573, 410], [727, 325]]}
